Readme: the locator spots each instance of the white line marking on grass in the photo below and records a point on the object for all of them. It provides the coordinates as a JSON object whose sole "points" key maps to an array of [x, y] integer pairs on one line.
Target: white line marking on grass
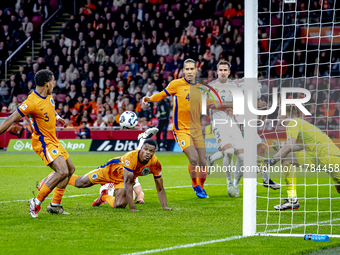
{"points": [[83, 195], [186, 245], [224, 239]]}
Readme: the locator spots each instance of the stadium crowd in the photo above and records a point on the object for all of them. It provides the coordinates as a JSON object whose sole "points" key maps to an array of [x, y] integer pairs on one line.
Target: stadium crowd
{"points": [[113, 52]]}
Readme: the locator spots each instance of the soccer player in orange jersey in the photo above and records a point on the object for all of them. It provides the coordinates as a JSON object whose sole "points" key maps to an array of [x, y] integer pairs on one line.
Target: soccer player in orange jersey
{"points": [[122, 172], [186, 127], [39, 107]]}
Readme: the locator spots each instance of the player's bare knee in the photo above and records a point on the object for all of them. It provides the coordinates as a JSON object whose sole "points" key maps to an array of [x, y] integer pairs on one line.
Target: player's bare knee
{"points": [[261, 149], [71, 171], [194, 162], [120, 204], [229, 153], [61, 174]]}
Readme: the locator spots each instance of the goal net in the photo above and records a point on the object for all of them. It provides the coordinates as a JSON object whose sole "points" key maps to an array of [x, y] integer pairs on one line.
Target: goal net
{"points": [[299, 47]]}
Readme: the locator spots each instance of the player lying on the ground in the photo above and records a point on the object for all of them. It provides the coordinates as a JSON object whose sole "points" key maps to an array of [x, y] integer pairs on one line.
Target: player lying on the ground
{"points": [[138, 194], [306, 145], [40, 109], [137, 188], [186, 126], [230, 137], [122, 172]]}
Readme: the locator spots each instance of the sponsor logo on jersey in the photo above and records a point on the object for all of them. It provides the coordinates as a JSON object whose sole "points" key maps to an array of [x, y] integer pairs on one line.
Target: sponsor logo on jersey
{"points": [[55, 152], [183, 143], [219, 140], [52, 102], [23, 107], [127, 162], [94, 176], [146, 171]]}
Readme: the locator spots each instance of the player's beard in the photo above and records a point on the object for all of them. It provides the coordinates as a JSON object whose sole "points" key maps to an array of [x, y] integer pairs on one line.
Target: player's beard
{"points": [[223, 80]]}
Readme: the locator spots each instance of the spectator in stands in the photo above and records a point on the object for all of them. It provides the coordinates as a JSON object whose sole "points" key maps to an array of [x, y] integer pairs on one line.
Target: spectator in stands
{"points": [[152, 91], [14, 89], [332, 124], [40, 9], [162, 48], [100, 58], [43, 50], [163, 113], [65, 113], [99, 123], [88, 9], [321, 121], [216, 48], [7, 98], [117, 58], [133, 67], [13, 105], [146, 112], [70, 73], [19, 36], [27, 27], [90, 80], [32, 74], [3, 88], [84, 132]]}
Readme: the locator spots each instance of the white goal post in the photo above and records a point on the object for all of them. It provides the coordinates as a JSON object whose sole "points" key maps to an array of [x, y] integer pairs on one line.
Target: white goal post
{"points": [[294, 27]]}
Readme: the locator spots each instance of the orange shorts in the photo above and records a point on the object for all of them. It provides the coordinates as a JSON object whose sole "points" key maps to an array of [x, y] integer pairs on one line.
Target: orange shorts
{"points": [[186, 138], [49, 152], [103, 176]]}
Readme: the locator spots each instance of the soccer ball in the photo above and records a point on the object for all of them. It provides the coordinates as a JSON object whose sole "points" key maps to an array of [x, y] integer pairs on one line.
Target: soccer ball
{"points": [[128, 120]]}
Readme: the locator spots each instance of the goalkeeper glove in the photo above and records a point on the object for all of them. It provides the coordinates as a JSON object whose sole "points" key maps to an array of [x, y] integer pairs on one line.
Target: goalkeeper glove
{"points": [[276, 145], [266, 162], [270, 162]]}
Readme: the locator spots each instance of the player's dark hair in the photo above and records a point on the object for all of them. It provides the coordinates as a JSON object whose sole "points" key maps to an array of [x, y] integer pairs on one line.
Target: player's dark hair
{"points": [[150, 141], [189, 60], [223, 62], [42, 77]]}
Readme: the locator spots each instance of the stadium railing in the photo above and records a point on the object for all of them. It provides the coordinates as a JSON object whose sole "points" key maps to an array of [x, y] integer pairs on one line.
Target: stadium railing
{"points": [[16, 51], [46, 22]]}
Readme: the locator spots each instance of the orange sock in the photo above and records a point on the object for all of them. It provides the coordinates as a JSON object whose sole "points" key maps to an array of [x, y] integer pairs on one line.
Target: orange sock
{"points": [[193, 175], [57, 195], [109, 199], [202, 176], [43, 193], [72, 180]]}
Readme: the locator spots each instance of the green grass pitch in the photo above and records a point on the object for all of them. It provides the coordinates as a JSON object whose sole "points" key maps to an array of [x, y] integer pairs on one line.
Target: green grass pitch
{"points": [[103, 230]]}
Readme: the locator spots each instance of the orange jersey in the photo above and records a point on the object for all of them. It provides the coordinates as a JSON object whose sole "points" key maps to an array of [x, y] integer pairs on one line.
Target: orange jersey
{"points": [[187, 103], [41, 115], [113, 169], [132, 164]]}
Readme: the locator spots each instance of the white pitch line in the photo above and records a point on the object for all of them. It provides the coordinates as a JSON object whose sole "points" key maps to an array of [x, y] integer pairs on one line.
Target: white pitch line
{"points": [[186, 245], [222, 240], [83, 195]]}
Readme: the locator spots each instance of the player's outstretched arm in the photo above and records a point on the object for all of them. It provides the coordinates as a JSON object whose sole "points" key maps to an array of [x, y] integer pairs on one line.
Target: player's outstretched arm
{"points": [[156, 97], [146, 100], [9, 121], [290, 146], [139, 194], [128, 186], [162, 195]]}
